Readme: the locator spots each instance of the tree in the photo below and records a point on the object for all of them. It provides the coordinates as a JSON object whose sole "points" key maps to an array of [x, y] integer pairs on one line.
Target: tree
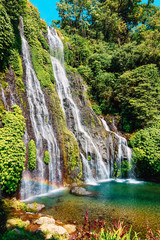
{"points": [[73, 14], [146, 152], [138, 94]]}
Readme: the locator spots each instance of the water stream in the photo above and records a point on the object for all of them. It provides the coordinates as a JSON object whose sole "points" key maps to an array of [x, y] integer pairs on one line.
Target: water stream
{"points": [[123, 152], [33, 182]]}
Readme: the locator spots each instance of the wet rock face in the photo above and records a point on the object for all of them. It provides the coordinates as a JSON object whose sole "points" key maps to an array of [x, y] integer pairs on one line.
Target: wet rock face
{"points": [[89, 120]]}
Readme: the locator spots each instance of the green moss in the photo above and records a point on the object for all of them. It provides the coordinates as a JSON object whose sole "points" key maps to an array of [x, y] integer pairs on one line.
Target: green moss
{"points": [[96, 108], [32, 155], [42, 66], [46, 157], [44, 26], [16, 64], [116, 171], [12, 149], [17, 222], [73, 160]]}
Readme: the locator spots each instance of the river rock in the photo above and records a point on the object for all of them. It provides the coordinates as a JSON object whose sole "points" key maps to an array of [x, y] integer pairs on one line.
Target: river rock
{"points": [[80, 191], [45, 220], [36, 207], [52, 229], [70, 228], [17, 222]]}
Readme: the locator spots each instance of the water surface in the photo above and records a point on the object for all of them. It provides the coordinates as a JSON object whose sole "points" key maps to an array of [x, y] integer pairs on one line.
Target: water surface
{"points": [[132, 201]]}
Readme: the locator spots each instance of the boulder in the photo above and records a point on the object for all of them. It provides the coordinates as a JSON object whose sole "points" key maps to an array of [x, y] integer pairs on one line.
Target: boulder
{"points": [[70, 228], [35, 207], [53, 229], [45, 220], [80, 191], [17, 222]]}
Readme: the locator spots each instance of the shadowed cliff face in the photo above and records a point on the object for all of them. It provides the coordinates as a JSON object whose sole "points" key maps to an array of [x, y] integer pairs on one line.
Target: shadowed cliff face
{"points": [[89, 120]]}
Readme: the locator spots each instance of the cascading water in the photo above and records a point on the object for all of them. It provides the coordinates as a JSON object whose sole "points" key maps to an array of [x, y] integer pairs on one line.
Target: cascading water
{"points": [[43, 133], [3, 97], [123, 152], [91, 157]]}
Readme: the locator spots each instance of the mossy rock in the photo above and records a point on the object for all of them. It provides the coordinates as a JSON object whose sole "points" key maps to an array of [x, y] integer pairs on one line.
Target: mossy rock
{"points": [[17, 222]]}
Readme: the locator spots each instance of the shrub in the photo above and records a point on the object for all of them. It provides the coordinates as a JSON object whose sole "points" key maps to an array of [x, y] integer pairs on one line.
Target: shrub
{"points": [[146, 152], [22, 234], [96, 109], [46, 157], [12, 149]]}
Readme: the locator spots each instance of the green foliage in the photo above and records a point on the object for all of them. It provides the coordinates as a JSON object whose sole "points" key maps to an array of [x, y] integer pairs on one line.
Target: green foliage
{"points": [[22, 234], [17, 222], [32, 155], [117, 234], [12, 150], [74, 163], [131, 55], [99, 19], [81, 48], [96, 109], [15, 8], [46, 157], [89, 158], [125, 168], [16, 64], [10, 11], [6, 37], [146, 152], [85, 72], [139, 96], [42, 66], [116, 171], [33, 28]]}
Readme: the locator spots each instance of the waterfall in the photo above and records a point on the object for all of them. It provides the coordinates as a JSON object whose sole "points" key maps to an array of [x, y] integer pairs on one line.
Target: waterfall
{"points": [[123, 152], [33, 182], [12, 99], [93, 164], [4, 98]]}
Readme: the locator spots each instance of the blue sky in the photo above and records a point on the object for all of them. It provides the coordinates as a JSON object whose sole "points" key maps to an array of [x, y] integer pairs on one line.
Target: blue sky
{"points": [[47, 8]]}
